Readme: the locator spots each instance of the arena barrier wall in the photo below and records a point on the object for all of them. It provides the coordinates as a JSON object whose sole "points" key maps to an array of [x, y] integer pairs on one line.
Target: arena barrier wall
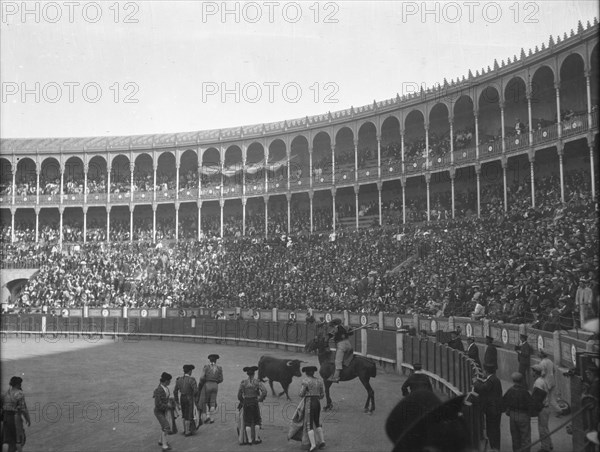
{"points": [[376, 337]]}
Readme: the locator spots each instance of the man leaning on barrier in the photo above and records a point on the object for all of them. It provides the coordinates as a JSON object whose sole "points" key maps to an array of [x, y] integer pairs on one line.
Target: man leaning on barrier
{"points": [[417, 381]]}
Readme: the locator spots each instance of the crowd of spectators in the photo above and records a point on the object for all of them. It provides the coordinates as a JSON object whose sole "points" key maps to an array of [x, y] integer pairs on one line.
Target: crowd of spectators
{"points": [[524, 265]]}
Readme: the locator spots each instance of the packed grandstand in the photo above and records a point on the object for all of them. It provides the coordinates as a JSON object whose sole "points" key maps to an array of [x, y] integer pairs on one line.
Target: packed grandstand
{"points": [[477, 198]]}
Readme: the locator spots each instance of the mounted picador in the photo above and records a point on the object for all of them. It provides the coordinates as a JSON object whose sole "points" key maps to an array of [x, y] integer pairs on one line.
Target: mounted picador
{"points": [[342, 365]]}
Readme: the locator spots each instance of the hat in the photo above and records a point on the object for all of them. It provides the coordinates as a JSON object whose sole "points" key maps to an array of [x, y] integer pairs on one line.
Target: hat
{"points": [[489, 368], [417, 366], [250, 370], [489, 338], [516, 377], [166, 376], [407, 422], [537, 368], [523, 336], [15, 382], [308, 369], [188, 367], [543, 354], [213, 357]]}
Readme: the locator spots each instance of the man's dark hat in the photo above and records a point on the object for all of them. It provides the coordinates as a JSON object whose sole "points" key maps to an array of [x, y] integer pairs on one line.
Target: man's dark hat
{"points": [[417, 366], [213, 357], [188, 367], [406, 424], [309, 369], [523, 336], [489, 338], [166, 376], [489, 367], [250, 369], [15, 382]]}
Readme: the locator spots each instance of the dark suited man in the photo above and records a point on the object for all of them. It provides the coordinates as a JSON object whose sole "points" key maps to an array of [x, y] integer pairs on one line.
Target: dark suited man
{"points": [[490, 394], [473, 350], [524, 356], [490, 358], [417, 381], [456, 342]]}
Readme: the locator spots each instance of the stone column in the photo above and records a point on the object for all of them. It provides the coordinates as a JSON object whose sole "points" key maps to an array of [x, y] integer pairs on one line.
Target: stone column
{"points": [[592, 166], [289, 212], [501, 104], [131, 208], [356, 190], [333, 190], [558, 121], [452, 178], [154, 206], [311, 194], [108, 224], [403, 183], [199, 204], [451, 122], [379, 156], [85, 209], [86, 168], [427, 181], [531, 175], [131, 171], [379, 188], [266, 199], [478, 172], [504, 163], [221, 204], [589, 98], [176, 221], [561, 150], [355, 160], [476, 116], [244, 202], [37, 224]]}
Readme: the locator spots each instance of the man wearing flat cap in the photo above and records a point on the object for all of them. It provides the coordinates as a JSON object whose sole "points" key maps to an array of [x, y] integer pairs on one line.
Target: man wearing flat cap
{"points": [[422, 422], [541, 407], [250, 393], [417, 381], [186, 390], [212, 376], [517, 404]]}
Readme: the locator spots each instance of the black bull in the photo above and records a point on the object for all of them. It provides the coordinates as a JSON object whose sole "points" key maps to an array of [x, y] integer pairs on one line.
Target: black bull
{"points": [[280, 370]]}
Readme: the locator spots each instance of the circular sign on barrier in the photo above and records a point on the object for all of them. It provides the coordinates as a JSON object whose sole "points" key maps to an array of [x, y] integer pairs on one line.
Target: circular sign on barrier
{"points": [[504, 336], [65, 313], [469, 330], [368, 173], [292, 315], [490, 148], [256, 315], [363, 319], [545, 134], [182, 313], [328, 317], [105, 313], [144, 313], [540, 343], [574, 354], [433, 326], [398, 322]]}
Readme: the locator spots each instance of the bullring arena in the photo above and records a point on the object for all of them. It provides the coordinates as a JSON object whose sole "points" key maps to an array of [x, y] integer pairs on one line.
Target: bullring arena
{"points": [[468, 208]]}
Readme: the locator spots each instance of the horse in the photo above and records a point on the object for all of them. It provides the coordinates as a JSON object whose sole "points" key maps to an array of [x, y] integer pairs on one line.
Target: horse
{"points": [[360, 367]]}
